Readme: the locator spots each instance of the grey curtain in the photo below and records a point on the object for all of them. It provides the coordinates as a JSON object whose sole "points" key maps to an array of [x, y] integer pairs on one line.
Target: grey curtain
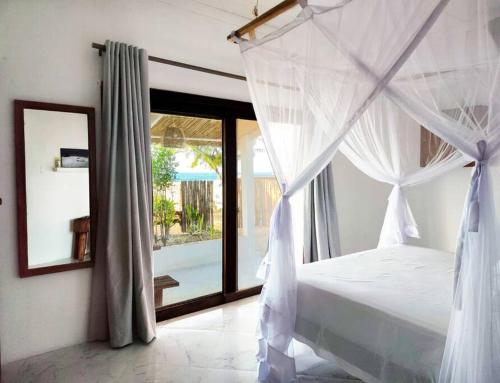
{"points": [[321, 237], [122, 307]]}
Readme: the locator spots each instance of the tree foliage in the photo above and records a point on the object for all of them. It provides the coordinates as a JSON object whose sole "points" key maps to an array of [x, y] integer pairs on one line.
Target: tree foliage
{"points": [[163, 166], [210, 156], [163, 172]]}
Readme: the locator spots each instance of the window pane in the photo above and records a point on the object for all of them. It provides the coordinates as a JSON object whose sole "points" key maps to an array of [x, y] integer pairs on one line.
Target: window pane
{"points": [[187, 207], [258, 193]]}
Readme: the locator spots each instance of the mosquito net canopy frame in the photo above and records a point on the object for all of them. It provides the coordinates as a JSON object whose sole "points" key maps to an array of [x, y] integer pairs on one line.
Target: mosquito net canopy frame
{"points": [[348, 73], [314, 83]]}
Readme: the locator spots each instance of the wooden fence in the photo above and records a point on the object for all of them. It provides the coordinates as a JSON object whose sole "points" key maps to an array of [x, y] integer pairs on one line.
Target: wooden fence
{"points": [[200, 195]]}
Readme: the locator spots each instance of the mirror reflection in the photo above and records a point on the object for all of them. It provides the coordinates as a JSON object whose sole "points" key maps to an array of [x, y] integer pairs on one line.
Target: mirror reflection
{"points": [[57, 187]]}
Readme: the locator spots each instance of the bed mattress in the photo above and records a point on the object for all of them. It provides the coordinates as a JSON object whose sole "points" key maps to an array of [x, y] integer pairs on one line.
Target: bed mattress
{"points": [[380, 314]]}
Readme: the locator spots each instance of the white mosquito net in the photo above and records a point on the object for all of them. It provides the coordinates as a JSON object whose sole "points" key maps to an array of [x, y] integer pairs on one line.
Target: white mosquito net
{"points": [[315, 79], [384, 144], [451, 84]]}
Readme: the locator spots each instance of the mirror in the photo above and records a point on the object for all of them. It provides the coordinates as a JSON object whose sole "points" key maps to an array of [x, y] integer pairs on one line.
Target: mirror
{"points": [[55, 162]]}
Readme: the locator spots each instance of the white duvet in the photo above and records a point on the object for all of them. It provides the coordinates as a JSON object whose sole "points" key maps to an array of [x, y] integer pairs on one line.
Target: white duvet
{"points": [[381, 314]]}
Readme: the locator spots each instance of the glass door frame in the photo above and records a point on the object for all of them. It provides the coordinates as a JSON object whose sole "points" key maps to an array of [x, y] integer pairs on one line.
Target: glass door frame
{"points": [[228, 111]]}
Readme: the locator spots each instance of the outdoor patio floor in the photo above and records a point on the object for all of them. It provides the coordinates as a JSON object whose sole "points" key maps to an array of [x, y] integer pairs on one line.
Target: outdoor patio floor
{"points": [[206, 279]]}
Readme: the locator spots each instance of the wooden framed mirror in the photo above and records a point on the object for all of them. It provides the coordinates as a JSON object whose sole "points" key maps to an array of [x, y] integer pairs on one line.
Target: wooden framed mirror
{"points": [[56, 189]]}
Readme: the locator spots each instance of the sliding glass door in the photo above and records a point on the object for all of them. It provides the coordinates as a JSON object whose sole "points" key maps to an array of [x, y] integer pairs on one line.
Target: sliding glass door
{"points": [[213, 193], [187, 174], [258, 193]]}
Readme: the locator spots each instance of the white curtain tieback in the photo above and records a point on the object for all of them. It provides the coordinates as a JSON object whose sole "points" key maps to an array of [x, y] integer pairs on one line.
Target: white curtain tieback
{"points": [[473, 211]]}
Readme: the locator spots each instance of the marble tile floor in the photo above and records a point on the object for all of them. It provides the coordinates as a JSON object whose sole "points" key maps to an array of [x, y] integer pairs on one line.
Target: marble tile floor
{"points": [[215, 345]]}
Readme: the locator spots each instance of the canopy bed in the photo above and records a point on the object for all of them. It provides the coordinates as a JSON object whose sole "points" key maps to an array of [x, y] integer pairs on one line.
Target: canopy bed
{"points": [[381, 315], [362, 77]]}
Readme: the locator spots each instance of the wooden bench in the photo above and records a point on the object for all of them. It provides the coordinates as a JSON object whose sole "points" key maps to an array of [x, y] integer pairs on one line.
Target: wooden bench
{"points": [[160, 283]]}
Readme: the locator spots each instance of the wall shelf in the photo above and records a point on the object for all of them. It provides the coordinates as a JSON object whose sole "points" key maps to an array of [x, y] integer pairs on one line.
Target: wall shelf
{"points": [[71, 170]]}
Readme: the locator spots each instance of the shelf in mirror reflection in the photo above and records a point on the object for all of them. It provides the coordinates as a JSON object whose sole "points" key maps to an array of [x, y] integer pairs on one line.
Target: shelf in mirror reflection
{"points": [[71, 170], [61, 261]]}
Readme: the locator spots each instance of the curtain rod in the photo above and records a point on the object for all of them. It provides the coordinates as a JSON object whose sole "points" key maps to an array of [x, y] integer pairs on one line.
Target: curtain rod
{"points": [[102, 48]]}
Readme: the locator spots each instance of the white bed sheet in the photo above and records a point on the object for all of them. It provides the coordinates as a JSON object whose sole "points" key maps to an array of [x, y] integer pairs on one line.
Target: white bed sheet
{"points": [[381, 314]]}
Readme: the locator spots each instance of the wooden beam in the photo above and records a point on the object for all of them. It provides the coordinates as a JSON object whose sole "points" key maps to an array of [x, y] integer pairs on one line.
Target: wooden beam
{"points": [[272, 13]]}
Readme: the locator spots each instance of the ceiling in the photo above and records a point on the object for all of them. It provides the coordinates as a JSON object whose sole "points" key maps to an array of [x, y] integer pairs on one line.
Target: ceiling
{"points": [[193, 32], [234, 12]]}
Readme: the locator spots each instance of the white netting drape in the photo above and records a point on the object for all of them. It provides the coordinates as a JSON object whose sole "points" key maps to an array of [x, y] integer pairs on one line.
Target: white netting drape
{"points": [[451, 84], [309, 83], [312, 80], [384, 144]]}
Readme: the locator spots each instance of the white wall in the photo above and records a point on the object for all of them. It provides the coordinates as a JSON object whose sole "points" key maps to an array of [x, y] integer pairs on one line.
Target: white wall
{"points": [[175, 257], [437, 207], [45, 55], [53, 199], [361, 203]]}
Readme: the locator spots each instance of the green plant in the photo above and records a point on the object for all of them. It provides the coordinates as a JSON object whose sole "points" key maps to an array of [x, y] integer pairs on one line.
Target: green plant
{"points": [[194, 220], [163, 166], [164, 216], [210, 156], [213, 232]]}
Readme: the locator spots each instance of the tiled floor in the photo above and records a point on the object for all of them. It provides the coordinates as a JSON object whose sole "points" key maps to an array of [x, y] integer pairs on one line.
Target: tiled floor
{"points": [[216, 345]]}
